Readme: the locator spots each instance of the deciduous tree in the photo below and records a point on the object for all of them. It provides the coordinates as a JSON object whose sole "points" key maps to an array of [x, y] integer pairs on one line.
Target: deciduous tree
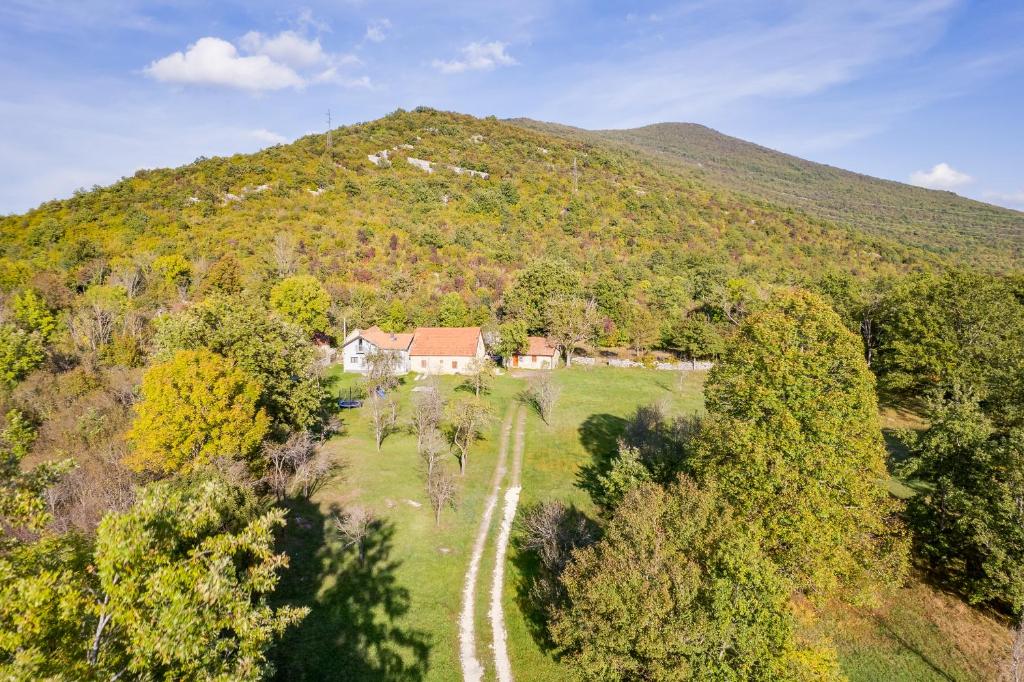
{"points": [[195, 407], [794, 444], [466, 420], [302, 300]]}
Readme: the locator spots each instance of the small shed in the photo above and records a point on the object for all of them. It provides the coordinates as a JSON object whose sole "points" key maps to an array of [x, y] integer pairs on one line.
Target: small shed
{"points": [[540, 354]]}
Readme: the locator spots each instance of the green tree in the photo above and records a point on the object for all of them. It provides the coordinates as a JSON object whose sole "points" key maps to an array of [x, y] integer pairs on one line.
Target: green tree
{"points": [[302, 300], [195, 407], [969, 524], [513, 339], [542, 281], [957, 329], [678, 589], [31, 313], [694, 337], [174, 272], [453, 311], [277, 354], [794, 444], [20, 353], [225, 276]]}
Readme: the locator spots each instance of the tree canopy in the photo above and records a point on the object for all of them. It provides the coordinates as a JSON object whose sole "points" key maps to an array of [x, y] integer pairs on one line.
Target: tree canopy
{"points": [[302, 300]]}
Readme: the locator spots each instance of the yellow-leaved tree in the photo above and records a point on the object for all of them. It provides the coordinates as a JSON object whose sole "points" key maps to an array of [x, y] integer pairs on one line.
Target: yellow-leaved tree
{"points": [[195, 407]]}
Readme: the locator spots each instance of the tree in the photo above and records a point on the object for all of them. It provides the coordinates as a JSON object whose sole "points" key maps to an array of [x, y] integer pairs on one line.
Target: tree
{"points": [[513, 339], [195, 407], [466, 420], [302, 300], [431, 450], [354, 526], [276, 354], [427, 412], [542, 281], [440, 491], [287, 458], [185, 574], [20, 353], [380, 373], [453, 311], [479, 375], [384, 415], [938, 332], [678, 589], [794, 444], [542, 393], [643, 329], [174, 272], [225, 276], [174, 588], [694, 337], [31, 313], [570, 323], [969, 524], [101, 309]]}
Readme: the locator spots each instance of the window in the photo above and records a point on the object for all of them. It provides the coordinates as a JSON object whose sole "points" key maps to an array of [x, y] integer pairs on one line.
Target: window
{"points": [[423, 363], [533, 358], [354, 359], [455, 364], [359, 345]]}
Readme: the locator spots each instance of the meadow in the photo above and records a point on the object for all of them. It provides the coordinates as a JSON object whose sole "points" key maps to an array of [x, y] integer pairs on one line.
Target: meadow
{"points": [[395, 614]]}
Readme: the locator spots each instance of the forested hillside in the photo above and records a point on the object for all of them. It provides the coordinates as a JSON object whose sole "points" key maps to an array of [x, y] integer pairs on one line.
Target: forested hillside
{"points": [[389, 239], [937, 221]]}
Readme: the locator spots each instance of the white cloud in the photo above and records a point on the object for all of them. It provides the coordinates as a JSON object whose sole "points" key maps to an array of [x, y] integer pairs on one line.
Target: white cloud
{"points": [[212, 61], [376, 31], [941, 176], [287, 47], [268, 136], [286, 60], [477, 57]]}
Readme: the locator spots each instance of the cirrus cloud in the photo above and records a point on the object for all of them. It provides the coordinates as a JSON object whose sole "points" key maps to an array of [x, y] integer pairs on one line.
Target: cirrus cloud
{"points": [[477, 57], [941, 176]]}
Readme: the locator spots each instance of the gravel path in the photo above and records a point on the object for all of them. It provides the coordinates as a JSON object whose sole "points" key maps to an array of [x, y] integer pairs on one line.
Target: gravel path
{"points": [[502, 663], [472, 669]]}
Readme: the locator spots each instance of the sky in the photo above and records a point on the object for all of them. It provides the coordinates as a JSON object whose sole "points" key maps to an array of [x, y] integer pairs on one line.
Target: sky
{"points": [[929, 92]]}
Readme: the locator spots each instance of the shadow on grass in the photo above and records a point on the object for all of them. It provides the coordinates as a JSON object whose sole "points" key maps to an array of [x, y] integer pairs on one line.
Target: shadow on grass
{"points": [[352, 630], [599, 434]]}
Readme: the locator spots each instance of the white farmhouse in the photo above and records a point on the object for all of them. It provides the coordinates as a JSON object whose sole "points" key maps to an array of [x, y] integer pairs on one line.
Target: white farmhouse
{"points": [[362, 342], [445, 350]]}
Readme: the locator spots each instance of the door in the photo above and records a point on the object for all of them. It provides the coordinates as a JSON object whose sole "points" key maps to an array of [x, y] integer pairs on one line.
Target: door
{"points": [[515, 360]]}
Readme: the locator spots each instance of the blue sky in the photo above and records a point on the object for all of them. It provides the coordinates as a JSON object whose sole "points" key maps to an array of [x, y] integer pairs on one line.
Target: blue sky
{"points": [[923, 91]]}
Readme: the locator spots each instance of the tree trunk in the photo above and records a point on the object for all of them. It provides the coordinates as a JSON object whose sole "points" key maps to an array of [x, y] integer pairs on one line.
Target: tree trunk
{"points": [[568, 357]]}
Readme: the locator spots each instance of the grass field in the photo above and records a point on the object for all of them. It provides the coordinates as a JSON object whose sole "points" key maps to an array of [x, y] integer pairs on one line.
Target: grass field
{"points": [[394, 616]]}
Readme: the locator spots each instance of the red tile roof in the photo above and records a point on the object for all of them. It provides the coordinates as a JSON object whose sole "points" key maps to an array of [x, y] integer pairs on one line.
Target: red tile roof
{"points": [[386, 340], [538, 345], [460, 341]]}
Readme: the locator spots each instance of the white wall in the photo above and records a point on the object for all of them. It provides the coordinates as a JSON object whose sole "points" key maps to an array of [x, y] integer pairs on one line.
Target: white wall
{"points": [[353, 359], [536, 362]]}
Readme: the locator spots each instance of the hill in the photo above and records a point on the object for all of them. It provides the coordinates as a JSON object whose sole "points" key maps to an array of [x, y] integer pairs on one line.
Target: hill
{"points": [[939, 222], [394, 214]]}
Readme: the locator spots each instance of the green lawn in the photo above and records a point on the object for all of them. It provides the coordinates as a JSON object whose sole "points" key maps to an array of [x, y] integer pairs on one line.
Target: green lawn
{"points": [[395, 616]]}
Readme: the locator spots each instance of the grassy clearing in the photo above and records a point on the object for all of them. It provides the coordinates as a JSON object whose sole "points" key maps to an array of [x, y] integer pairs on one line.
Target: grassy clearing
{"points": [[395, 616]]}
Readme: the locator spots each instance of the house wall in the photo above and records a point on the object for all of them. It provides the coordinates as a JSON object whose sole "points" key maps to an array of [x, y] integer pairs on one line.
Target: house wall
{"points": [[353, 359], [537, 362]]}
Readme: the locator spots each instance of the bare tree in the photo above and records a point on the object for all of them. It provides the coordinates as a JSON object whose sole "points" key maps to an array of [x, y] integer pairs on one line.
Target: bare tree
{"points": [[427, 411], [467, 418], [130, 275], [552, 530], [441, 490], [479, 374], [432, 449], [285, 459], [384, 414], [354, 526], [542, 393], [571, 322], [283, 252], [315, 473], [381, 372]]}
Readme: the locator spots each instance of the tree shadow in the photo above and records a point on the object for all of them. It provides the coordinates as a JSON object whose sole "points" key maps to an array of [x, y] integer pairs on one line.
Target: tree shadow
{"points": [[599, 434], [352, 631]]}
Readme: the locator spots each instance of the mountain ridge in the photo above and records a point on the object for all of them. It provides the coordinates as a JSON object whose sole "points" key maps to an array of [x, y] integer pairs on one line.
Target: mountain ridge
{"points": [[938, 221]]}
